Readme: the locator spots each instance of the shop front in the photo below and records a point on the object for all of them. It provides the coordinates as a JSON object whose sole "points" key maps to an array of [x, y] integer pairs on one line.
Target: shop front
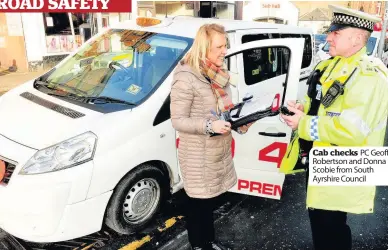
{"points": [[12, 45], [50, 37], [282, 12]]}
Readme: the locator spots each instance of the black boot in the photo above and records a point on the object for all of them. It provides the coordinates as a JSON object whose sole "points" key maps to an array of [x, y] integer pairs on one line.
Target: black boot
{"points": [[218, 246]]}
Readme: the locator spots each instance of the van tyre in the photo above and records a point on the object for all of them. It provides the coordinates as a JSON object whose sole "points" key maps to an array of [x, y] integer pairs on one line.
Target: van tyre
{"points": [[136, 199]]}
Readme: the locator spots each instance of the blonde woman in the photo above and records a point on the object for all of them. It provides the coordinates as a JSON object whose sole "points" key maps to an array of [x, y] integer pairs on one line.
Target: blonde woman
{"points": [[200, 93]]}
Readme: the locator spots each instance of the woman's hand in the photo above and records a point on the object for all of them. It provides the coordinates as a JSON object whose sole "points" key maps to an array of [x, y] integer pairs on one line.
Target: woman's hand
{"points": [[243, 129], [221, 127]]}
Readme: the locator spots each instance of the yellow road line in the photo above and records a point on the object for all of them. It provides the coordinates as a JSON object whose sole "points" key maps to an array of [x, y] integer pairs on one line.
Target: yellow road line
{"points": [[169, 223], [87, 247], [136, 244]]}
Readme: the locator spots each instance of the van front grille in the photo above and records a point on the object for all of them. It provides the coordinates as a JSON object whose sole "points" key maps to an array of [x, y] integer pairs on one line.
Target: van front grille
{"points": [[53, 106]]}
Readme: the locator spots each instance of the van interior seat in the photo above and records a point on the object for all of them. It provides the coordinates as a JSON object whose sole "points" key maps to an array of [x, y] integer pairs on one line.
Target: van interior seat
{"points": [[163, 59], [155, 66]]}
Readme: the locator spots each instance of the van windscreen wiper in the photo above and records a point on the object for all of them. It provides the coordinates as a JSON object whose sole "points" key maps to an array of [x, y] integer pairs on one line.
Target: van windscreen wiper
{"points": [[106, 99], [77, 91], [68, 95], [44, 84], [58, 85]]}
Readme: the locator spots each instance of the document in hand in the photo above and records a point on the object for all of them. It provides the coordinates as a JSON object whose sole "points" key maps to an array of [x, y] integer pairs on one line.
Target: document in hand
{"points": [[252, 109]]}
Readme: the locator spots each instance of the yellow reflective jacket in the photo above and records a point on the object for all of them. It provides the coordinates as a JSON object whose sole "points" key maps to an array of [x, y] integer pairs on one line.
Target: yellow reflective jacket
{"points": [[356, 118]]}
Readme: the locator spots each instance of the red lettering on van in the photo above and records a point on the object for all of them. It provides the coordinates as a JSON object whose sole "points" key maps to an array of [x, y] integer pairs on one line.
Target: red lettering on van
{"points": [[259, 187], [242, 184], [268, 189], [263, 153]]}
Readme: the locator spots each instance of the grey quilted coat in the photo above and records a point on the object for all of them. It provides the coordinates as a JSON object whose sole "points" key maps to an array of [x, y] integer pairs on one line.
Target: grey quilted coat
{"points": [[206, 162]]}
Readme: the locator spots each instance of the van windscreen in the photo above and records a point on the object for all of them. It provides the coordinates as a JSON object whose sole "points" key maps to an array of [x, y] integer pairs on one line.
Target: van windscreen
{"points": [[125, 65]]}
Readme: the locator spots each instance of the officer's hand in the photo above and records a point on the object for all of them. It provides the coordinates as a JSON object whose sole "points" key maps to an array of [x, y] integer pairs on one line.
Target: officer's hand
{"points": [[293, 121], [221, 127], [296, 105]]}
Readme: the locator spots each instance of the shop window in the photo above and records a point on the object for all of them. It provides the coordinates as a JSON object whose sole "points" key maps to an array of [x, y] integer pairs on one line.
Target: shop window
{"points": [[124, 16], [58, 32], [59, 23]]}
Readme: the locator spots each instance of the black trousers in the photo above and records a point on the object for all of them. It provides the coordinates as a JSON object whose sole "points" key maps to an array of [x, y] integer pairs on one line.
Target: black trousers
{"points": [[200, 221], [329, 230]]}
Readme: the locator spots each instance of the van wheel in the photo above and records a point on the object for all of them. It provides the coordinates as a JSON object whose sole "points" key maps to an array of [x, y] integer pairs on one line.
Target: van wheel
{"points": [[136, 199]]}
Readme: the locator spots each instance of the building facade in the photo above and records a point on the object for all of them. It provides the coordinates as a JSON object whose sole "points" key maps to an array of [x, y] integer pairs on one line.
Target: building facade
{"points": [[31, 41], [12, 45], [371, 7], [38, 41], [218, 9], [317, 15], [283, 12]]}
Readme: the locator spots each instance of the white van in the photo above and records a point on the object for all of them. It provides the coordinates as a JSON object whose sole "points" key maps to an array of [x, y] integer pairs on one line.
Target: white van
{"points": [[91, 141], [371, 48]]}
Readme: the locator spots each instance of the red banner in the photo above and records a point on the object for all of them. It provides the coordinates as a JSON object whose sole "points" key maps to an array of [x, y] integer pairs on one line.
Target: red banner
{"points": [[74, 6]]}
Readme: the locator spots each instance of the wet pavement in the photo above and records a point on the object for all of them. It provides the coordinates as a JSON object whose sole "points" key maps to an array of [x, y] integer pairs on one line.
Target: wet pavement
{"points": [[254, 223], [242, 222]]}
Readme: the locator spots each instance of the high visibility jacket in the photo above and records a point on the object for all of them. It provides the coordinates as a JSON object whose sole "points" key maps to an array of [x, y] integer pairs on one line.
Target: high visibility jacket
{"points": [[356, 118]]}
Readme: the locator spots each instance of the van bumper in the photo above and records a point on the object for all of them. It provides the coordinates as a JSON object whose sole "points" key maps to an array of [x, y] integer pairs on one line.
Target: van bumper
{"points": [[48, 211], [44, 219], [48, 207]]}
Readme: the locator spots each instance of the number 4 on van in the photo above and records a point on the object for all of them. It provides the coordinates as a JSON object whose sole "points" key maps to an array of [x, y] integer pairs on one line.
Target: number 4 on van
{"points": [[264, 153]]}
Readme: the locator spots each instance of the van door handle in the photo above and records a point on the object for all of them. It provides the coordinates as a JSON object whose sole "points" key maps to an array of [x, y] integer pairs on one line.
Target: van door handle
{"points": [[281, 134]]}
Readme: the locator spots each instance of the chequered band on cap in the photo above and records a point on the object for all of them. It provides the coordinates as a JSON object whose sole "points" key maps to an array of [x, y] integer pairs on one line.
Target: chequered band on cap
{"points": [[353, 21]]}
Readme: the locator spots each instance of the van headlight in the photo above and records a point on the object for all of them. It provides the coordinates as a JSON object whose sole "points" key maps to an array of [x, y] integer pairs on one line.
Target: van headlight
{"points": [[67, 154]]}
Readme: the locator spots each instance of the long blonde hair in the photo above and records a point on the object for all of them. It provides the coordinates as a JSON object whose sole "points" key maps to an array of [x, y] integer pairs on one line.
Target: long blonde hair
{"points": [[202, 43]]}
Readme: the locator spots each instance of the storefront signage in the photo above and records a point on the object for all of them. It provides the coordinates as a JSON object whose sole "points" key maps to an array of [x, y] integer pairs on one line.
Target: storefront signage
{"points": [[271, 5], [65, 5]]}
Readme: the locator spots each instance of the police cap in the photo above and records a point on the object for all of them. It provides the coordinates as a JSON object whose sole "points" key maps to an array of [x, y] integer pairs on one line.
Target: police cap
{"points": [[345, 18]]}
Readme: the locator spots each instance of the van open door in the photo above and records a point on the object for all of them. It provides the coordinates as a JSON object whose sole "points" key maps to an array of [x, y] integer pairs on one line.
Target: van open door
{"points": [[267, 69]]}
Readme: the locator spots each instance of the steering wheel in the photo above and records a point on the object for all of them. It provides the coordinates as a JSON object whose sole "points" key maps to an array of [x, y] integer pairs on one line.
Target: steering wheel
{"points": [[119, 65]]}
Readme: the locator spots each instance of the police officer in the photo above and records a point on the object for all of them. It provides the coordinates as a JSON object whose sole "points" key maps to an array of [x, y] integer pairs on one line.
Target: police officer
{"points": [[346, 105]]}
